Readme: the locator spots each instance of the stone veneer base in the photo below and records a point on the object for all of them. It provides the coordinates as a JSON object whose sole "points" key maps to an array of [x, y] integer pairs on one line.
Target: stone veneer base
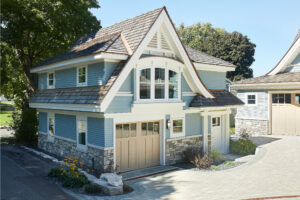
{"points": [[252, 126], [103, 158], [175, 148]]}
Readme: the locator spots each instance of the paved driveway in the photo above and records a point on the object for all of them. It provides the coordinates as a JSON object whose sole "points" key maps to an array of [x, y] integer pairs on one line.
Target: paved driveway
{"points": [[275, 171]]}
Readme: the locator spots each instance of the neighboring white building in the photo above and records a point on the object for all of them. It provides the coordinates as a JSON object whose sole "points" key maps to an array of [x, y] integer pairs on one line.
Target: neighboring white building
{"points": [[273, 100]]}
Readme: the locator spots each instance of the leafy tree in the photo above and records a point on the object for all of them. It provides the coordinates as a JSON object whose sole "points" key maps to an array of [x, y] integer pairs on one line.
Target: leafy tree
{"points": [[232, 47], [34, 30]]}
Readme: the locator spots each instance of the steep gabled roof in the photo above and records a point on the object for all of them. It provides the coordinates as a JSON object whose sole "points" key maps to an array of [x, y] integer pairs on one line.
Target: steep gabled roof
{"points": [[200, 57], [109, 39]]}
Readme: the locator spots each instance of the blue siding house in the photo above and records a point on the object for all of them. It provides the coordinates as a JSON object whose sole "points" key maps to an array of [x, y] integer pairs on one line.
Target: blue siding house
{"points": [[131, 96]]}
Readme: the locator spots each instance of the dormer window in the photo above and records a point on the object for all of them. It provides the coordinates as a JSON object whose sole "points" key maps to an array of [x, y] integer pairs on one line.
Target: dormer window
{"points": [[50, 80], [153, 85], [81, 76]]}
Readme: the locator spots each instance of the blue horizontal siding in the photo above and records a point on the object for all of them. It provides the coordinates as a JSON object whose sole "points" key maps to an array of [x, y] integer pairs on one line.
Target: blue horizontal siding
{"points": [[120, 104], [209, 124], [43, 122], [193, 124], [109, 132], [184, 85], [213, 80], [42, 81], [127, 86], [96, 131], [95, 74], [65, 126], [187, 100], [168, 130], [65, 78]]}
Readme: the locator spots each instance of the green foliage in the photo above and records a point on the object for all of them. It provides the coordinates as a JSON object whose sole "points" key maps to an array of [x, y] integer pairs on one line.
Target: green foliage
{"points": [[69, 176], [242, 147], [232, 47], [25, 126], [6, 111], [232, 131], [216, 156], [34, 30], [214, 167], [229, 163], [190, 153], [127, 188], [92, 188]]}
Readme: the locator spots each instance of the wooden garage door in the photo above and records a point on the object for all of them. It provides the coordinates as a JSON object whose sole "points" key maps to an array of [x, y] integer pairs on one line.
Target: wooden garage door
{"points": [[285, 114], [137, 145]]}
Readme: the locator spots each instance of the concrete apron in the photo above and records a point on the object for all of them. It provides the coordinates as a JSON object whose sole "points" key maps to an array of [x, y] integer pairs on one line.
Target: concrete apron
{"points": [[141, 173]]}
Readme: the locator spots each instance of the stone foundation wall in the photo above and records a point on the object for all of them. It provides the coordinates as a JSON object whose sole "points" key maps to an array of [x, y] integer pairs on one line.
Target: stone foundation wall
{"points": [[253, 126], [103, 159], [176, 147]]}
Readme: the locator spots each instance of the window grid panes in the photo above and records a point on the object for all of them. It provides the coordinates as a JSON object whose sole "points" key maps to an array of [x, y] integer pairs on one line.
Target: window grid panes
{"points": [[173, 84], [82, 132], [251, 99], [82, 75], [51, 126], [159, 83], [216, 121], [281, 98], [145, 83], [51, 79], [177, 126]]}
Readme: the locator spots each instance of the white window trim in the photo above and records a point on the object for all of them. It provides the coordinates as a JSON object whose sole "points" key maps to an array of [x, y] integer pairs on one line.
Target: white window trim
{"points": [[176, 135], [246, 97], [81, 146], [51, 86], [77, 76], [216, 116], [50, 115], [152, 87]]}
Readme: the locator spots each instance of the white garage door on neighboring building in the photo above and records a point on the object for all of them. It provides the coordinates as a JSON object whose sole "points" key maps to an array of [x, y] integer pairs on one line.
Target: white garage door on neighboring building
{"points": [[285, 113]]}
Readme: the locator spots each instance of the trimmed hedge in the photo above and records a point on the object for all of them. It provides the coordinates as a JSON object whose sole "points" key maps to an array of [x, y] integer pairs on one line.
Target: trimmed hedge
{"points": [[242, 147]]}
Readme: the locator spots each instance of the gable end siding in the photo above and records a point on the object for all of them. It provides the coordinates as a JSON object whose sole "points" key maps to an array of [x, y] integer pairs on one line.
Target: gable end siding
{"points": [[43, 122], [65, 126], [42, 81], [120, 104], [65, 78], [96, 74], [213, 80], [127, 86]]}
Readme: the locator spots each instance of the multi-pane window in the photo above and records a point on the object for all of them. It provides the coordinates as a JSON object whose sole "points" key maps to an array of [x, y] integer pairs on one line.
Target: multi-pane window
{"points": [[51, 125], [297, 98], [164, 84], [126, 130], [81, 129], [173, 84], [281, 98], [50, 80], [216, 121], [177, 126], [81, 76], [251, 99], [145, 83], [159, 83]]}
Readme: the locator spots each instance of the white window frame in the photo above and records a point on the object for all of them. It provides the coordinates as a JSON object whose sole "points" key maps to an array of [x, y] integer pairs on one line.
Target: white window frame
{"points": [[176, 135], [82, 119], [50, 115], [246, 97], [77, 76], [152, 86], [50, 86], [212, 124]]}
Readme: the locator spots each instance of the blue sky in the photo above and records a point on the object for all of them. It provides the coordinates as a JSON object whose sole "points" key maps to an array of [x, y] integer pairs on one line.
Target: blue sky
{"points": [[270, 24]]}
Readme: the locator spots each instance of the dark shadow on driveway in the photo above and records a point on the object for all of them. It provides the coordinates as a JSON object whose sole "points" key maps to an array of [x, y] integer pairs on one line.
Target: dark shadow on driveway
{"points": [[261, 140]]}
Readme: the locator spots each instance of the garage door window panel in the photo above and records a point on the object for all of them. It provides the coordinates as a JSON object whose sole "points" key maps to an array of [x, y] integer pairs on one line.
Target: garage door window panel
{"points": [[297, 99]]}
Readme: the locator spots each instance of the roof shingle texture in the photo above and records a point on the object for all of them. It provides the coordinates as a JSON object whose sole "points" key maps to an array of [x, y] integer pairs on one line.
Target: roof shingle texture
{"points": [[222, 98], [200, 57], [278, 78], [77, 95], [109, 40]]}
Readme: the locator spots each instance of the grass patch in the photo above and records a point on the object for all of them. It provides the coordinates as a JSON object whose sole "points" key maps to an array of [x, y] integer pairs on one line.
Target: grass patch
{"points": [[214, 167], [5, 118], [229, 163]]}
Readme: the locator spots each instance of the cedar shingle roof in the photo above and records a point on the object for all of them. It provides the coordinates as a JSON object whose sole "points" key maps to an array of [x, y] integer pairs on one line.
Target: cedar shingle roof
{"points": [[200, 57], [223, 98], [109, 40], [278, 78], [77, 95]]}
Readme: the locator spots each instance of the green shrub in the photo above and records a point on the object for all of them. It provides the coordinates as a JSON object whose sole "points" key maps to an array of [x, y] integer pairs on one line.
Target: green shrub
{"points": [[69, 176], [203, 162], [92, 188], [190, 153], [229, 163], [214, 167], [216, 156], [127, 188], [242, 147], [25, 125]]}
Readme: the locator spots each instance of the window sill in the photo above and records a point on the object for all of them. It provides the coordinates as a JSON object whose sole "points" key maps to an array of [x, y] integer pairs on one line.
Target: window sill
{"points": [[153, 101]]}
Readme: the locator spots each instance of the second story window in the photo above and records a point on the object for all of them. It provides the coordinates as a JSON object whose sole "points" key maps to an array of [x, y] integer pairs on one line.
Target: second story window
{"points": [[50, 78], [157, 83], [81, 76]]}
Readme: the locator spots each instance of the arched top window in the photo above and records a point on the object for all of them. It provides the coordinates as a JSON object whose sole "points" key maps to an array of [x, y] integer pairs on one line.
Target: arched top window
{"points": [[158, 83]]}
